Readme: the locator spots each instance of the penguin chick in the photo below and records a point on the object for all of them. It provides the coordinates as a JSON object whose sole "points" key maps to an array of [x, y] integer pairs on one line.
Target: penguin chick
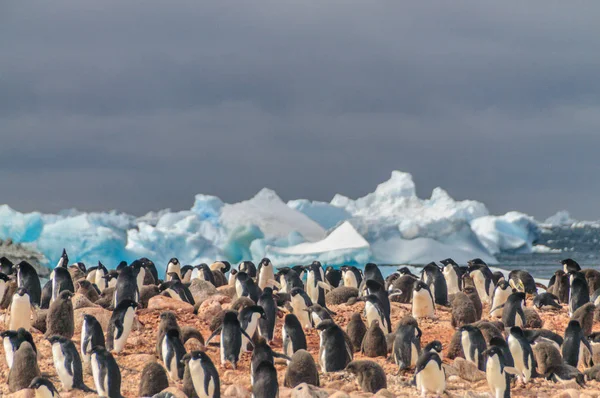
{"points": [[43, 388], [356, 330], [301, 369], [374, 343], [370, 376]]}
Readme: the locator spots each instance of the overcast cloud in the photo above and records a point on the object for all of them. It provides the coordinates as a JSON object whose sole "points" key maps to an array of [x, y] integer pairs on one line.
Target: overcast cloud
{"points": [[138, 105]]}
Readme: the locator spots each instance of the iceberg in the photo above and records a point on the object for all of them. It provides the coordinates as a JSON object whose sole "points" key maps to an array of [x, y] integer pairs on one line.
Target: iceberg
{"points": [[513, 232]]}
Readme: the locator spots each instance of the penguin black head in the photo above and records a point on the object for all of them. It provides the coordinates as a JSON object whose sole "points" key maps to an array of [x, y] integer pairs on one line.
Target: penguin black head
{"points": [[448, 261], [22, 291], [435, 345], [468, 328], [503, 284], [81, 266], [39, 382], [373, 286], [4, 277], [265, 261], [476, 261], [296, 291], [230, 317], [174, 260], [64, 260], [570, 265], [123, 264], [298, 269], [498, 341], [325, 324], [227, 266], [199, 356], [268, 290], [429, 266], [242, 276], [65, 295], [257, 309], [56, 339], [370, 266], [494, 350], [6, 266], [420, 285], [174, 276], [317, 264], [517, 331], [574, 325], [405, 271]]}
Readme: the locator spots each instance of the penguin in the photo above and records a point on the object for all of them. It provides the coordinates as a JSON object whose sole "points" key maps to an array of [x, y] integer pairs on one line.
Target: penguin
{"points": [[6, 266], [219, 269], [168, 321], [78, 271], [377, 289], [88, 290], [522, 281], [46, 295], [374, 343], [522, 353], [463, 310], [496, 373], [248, 267], [300, 303], [578, 292], [186, 273], [173, 266], [356, 330], [232, 278], [177, 290], [370, 376], [560, 286], [585, 316], [60, 318], [512, 314], [264, 381], [24, 369], [564, 373], [435, 346], [154, 379], [351, 276], [111, 279], [204, 375], [423, 305], [249, 318], [245, 287], [120, 325], [318, 314], [473, 345], [434, 278], [301, 369], [140, 271], [570, 265], [333, 276], [266, 323], [374, 310], [453, 276], [315, 285], [292, 335], [546, 354], [334, 351], [266, 274], [471, 292], [501, 293], [535, 335], [203, 272], [4, 279], [430, 376], [372, 272], [126, 288], [574, 344], [231, 339], [288, 279], [43, 388], [173, 352], [12, 340], [502, 345], [67, 363], [27, 278], [151, 268], [99, 277], [406, 347], [263, 352], [546, 301], [91, 336], [106, 373], [483, 278], [20, 310], [61, 277]]}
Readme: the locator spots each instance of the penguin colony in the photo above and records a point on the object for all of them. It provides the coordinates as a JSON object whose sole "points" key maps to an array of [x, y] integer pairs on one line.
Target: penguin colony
{"points": [[273, 313]]}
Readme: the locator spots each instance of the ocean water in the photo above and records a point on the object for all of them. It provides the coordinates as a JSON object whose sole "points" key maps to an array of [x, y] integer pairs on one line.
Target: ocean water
{"points": [[582, 244]]}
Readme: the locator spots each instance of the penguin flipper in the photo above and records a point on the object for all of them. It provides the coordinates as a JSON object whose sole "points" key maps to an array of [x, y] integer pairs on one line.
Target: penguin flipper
{"points": [[85, 388], [282, 356], [217, 330], [497, 308], [511, 370], [248, 337]]}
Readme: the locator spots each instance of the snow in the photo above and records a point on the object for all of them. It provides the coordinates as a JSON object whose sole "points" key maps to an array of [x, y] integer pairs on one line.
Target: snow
{"points": [[389, 225], [544, 249], [561, 218]]}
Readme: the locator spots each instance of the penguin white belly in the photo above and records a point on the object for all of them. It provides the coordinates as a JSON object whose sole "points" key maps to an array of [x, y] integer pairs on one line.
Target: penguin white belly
{"points": [[101, 385], [43, 392], [127, 325], [100, 281], [433, 379], [316, 319], [310, 285], [266, 274], [451, 281], [422, 306], [298, 307], [171, 366], [323, 360], [112, 282], [519, 321], [239, 290], [20, 313], [85, 349], [140, 278], [350, 279], [222, 351], [500, 298], [479, 280], [174, 294], [91, 276], [496, 380], [466, 343], [174, 268], [232, 279], [250, 329], [414, 354], [373, 315], [59, 364], [518, 356], [8, 352], [197, 373], [2, 289], [54, 289]]}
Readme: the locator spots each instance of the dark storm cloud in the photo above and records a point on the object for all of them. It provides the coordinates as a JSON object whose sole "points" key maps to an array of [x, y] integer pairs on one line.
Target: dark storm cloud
{"points": [[139, 105]]}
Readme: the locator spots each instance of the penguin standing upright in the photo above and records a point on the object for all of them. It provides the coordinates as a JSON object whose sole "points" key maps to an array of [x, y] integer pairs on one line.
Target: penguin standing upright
{"points": [[570, 265], [140, 271], [453, 276], [430, 375], [27, 277], [314, 275], [249, 318], [43, 388], [264, 381], [20, 310], [372, 272], [204, 374], [25, 368], [67, 363], [474, 345], [334, 351], [483, 278], [351, 276], [61, 278], [434, 278], [501, 293], [333, 276], [423, 305], [121, 323], [375, 310], [522, 353], [106, 373], [512, 313], [231, 338], [127, 288], [177, 290], [377, 289], [496, 373], [288, 279], [578, 292], [300, 303], [292, 335], [266, 323], [245, 287], [11, 341], [406, 347], [91, 336], [99, 277], [248, 267], [266, 273], [173, 352], [60, 318], [574, 344], [173, 266]]}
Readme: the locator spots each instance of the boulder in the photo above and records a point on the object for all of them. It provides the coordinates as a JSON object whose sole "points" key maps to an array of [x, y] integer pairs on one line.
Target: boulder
{"points": [[468, 370], [164, 303]]}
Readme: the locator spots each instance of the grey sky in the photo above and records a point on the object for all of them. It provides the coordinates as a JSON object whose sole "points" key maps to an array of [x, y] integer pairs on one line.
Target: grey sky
{"points": [[138, 105]]}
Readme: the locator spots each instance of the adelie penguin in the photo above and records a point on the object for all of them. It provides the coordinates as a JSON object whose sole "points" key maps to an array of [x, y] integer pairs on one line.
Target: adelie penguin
{"points": [[106, 372], [356, 330], [574, 344], [25, 368], [248, 267], [374, 343], [351, 276], [288, 279], [407, 345], [501, 293], [434, 278], [12, 340], [266, 323], [121, 323], [264, 381], [292, 335], [91, 336], [370, 376], [300, 303], [496, 373], [266, 273], [377, 289], [546, 301], [140, 271], [512, 313], [127, 288], [301, 369], [315, 285], [28, 279], [173, 352], [20, 310], [6, 266], [474, 345], [522, 281], [61, 278], [578, 292], [522, 354], [453, 276], [483, 278], [263, 352], [564, 373], [249, 318], [178, 291], [570, 265], [67, 363], [99, 277], [372, 272], [245, 287], [333, 276], [375, 310], [334, 351], [430, 376], [43, 388], [173, 266], [423, 305], [204, 375], [203, 272], [231, 339]]}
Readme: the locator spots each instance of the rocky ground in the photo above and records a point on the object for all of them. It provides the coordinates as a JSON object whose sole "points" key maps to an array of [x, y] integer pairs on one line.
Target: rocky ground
{"points": [[140, 350]]}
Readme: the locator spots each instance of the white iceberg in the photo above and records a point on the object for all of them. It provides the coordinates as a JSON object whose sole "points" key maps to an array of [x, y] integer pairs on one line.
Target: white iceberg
{"points": [[512, 232]]}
